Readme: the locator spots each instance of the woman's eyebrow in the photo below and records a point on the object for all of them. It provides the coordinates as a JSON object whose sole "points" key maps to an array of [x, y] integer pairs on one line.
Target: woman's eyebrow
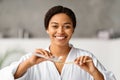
{"points": [[54, 23], [67, 23], [64, 23]]}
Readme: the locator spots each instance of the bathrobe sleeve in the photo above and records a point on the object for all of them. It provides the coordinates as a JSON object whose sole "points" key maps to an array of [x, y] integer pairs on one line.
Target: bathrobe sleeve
{"points": [[7, 73]]}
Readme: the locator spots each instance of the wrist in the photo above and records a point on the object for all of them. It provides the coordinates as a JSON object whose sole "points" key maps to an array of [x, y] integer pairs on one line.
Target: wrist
{"points": [[94, 72], [97, 75]]}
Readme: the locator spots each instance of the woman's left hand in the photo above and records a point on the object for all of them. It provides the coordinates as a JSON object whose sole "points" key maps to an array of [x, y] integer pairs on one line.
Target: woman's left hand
{"points": [[86, 63]]}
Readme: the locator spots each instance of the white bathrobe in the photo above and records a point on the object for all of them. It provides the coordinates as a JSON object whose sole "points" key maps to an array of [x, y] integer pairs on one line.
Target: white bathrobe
{"points": [[47, 70]]}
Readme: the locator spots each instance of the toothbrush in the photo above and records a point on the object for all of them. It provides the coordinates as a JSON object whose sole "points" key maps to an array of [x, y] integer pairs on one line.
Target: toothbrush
{"points": [[54, 58]]}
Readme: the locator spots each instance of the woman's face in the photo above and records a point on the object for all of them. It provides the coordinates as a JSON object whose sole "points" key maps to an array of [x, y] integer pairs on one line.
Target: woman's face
{"points": [[60, 29]]}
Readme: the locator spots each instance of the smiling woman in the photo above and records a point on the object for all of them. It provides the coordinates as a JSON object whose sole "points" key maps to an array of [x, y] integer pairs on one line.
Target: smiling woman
{"points": [[60, 23], [60, 29]]}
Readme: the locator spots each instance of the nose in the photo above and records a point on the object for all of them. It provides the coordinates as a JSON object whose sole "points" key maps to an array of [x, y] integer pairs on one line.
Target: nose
{"points": [[60, 30]]}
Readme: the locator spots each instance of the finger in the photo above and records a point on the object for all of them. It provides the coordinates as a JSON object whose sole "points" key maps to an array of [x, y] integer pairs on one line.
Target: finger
{"points": [[77, 61], [46, 53], [81, 60], [40, 60], [85, 59], [39, 51]]}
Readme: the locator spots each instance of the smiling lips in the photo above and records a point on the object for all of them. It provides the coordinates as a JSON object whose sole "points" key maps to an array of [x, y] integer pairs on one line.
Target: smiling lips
{"points": [[60, 37]]}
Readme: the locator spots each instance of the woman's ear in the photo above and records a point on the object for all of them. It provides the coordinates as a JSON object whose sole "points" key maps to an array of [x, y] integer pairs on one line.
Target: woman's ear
{"points": [[47, 31]]}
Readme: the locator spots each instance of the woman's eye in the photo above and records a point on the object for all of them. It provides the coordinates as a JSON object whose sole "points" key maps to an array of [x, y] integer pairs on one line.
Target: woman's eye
{"points": [[67, 27], [54, 26]]}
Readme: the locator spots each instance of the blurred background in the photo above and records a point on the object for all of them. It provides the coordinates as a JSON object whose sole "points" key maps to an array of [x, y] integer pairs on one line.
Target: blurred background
{"points": [[98, 28], [24, 18]]}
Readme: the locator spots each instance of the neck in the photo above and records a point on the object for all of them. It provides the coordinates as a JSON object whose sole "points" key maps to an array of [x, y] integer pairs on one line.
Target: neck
{"points": [[60, 50]]}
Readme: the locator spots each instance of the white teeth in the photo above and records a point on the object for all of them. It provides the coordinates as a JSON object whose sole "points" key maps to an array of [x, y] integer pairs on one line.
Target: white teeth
{"points": [[60, 38]]}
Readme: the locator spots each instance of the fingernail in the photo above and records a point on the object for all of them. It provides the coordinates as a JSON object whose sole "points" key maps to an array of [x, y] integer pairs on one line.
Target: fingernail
{"points": [[83, 61], [80, 63], [75, 62]]}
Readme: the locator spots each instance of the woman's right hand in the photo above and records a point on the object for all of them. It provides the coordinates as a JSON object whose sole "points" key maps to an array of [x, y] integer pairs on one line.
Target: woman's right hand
{"points": [[22, 68], [35, 59]]}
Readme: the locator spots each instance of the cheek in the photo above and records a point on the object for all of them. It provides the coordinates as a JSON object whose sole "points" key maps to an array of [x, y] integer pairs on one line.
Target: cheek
{"points": [[70, 32], [50, 32]]}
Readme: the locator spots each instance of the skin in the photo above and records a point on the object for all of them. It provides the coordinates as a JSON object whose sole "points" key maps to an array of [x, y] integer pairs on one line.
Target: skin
{"points": [[60, 30]]}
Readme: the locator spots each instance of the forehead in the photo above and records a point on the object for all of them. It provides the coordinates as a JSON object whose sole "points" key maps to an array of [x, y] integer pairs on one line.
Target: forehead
{"points": [[61, 17]]}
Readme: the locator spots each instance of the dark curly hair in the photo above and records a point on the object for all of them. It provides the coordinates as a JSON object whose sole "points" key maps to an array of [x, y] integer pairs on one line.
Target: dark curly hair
{"points": [[56, 10]]}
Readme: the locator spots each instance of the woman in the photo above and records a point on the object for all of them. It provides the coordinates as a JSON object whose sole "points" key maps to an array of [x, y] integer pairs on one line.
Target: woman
{"points": [[60, 23]]}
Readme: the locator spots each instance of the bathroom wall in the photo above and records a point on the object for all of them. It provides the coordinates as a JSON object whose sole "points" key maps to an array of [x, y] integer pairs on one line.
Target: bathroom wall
{"points": [[24, 18]]}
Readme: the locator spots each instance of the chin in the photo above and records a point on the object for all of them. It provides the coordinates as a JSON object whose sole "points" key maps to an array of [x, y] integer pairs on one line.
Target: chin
{"points": [[61, 43]]}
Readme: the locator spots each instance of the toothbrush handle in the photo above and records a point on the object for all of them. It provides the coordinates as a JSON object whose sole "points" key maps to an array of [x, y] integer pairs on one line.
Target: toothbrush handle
{"points": [[40, 55], [54, 59]]}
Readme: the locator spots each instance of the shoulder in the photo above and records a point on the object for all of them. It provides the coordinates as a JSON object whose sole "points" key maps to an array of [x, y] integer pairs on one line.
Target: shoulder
{"points": [[82, 52], [26, 56]]}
